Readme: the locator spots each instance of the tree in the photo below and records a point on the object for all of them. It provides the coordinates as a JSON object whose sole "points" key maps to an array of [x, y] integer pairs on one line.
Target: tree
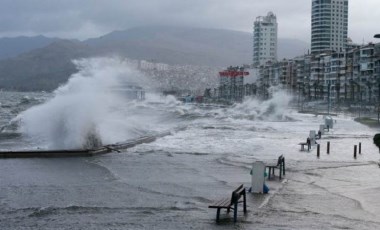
{"points": [[376, 140]]}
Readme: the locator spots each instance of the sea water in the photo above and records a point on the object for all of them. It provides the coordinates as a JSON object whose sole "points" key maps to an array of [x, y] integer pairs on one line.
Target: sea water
{"points": [[168, 184]]}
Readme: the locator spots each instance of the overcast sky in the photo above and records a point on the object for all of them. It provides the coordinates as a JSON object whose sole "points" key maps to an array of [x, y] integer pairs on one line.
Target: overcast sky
{"points": [[83, 19]]}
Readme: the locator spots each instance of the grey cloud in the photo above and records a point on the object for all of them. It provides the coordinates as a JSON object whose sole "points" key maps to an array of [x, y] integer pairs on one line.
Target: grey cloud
{"points": [[86, 18]]}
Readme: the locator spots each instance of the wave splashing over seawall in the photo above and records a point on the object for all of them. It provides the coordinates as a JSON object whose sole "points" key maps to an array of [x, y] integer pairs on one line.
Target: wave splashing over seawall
{"points": [[84, 113]]}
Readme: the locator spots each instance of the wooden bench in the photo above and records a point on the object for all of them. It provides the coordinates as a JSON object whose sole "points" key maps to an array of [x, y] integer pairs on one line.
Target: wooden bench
{"points": [[280, 165], [231, 203]]}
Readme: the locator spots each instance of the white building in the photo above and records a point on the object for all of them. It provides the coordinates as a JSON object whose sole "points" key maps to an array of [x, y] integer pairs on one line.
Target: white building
{"points": [[265, 39], [329, 23]]}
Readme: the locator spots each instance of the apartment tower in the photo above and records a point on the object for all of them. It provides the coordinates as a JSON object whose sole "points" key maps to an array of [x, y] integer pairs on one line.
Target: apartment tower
{"points": [[265, 39], [329, 23]]}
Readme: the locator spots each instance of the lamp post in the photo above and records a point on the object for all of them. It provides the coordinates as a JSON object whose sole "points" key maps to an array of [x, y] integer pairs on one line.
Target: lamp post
{"points": [[299, 94], [337, 89], [345, 92], [352, 96], [328, 99], [315, 84]]}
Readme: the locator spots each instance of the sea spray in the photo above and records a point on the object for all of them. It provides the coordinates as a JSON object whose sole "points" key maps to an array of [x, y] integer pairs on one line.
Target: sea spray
{"points": [[85, 112], [274, 109]]}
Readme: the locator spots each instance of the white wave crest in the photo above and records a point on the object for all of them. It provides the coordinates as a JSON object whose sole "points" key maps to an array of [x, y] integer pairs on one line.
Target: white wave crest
{"points": [[85, 113]]}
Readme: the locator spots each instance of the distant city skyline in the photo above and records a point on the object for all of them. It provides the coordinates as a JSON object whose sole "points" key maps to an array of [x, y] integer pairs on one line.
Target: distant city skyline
{"points": [[88, 18]]}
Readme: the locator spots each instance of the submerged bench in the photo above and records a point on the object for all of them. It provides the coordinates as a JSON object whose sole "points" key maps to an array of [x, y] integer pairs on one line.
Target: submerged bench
{"points": [[280, 165], [231, 203]]}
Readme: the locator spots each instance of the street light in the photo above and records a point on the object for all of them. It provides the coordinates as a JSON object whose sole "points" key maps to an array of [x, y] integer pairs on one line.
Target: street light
{"points": [[328, 97]]}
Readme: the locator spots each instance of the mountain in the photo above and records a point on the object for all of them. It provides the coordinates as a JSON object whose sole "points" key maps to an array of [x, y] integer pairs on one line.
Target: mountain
{"points": [[183, 45], [46, 67], [11, 47], [178, 45]]}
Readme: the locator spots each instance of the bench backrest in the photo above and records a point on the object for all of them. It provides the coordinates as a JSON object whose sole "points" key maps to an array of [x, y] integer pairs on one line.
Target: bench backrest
{"points": [[236, 194]]}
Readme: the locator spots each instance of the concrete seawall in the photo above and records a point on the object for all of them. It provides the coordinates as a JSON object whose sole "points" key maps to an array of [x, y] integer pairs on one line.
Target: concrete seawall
{"points": [[57, 153]]}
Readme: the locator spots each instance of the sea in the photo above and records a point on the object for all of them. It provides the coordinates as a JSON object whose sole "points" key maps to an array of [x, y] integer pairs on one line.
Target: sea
{"points": [[169, 183]]}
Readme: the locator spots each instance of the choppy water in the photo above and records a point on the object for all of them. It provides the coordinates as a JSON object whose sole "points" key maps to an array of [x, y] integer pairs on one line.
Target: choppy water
{"points": [[168, 184]]}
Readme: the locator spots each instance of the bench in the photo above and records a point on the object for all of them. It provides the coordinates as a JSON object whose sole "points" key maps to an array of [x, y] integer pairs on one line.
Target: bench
{"points": [[302, 145], [280, 165], [231, 203]]}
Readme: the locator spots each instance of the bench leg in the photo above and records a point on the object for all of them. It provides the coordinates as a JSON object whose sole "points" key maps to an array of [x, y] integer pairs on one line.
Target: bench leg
{"points": [[280, 171], [283, 167], [228, 210], [217, 214], [245, 202], [235, 211]]}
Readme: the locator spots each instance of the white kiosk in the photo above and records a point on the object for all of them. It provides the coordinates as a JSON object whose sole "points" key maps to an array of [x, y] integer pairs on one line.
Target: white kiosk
{"points": [[329, 122], [258, 178]]}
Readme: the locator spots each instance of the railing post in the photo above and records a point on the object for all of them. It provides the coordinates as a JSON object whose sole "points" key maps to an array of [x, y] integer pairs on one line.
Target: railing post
{"points": [[355, 147], [245, 202], [360, 148], [318, 150], [328, 147]]}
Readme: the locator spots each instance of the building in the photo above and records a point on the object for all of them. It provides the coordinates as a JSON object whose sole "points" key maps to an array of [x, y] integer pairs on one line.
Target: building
{"points": [[287, 76], [329, 25], [265, 39], [351, 76], [231, 87]]}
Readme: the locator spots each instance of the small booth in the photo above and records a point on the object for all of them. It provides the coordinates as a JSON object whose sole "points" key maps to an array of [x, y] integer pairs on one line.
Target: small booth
{"points": [[258, 177]]}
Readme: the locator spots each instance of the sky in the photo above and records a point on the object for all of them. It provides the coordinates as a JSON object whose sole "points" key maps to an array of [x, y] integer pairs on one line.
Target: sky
{"points": [[82, 19]]}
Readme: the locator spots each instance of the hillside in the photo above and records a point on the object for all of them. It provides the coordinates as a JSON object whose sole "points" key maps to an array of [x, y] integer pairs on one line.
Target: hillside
{"points": [[178, 45], [11, 47], [195, 46], [42, 69], [47, 67]]}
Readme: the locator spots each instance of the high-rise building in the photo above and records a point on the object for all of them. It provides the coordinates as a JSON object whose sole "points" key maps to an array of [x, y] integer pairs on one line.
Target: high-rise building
{"points": [[265, 39], [329, 22]]}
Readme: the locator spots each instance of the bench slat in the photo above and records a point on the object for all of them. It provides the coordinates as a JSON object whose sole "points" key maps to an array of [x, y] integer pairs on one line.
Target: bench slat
{"points": [[224, 203], [240, 190]]}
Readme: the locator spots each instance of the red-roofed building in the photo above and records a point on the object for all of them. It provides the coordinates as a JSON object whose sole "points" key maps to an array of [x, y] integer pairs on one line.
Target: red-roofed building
{"points": [[231, 87]]}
